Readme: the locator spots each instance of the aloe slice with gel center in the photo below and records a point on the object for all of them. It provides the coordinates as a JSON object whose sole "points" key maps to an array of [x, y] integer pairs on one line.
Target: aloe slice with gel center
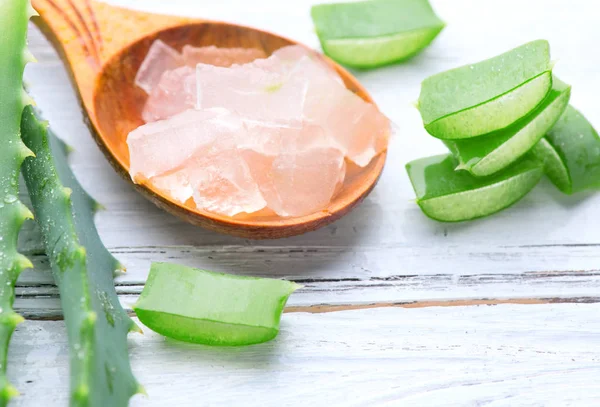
{"points": [[487, 96], [200, 306], [486, 155], [453, 196], [571, 153], [368, 34]]}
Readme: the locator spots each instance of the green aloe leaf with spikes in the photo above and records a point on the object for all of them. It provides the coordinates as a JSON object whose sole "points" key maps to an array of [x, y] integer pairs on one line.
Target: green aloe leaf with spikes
{"points": [[97, 325], [14, 15]]}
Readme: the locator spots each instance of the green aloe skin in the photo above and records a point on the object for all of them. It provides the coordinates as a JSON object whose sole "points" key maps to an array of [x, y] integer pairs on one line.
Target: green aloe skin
{"points": [[212, 308], [487, 96], [14, 15], [373, 33], [571, 153], [453, 196], [488, 154], [97, 325]]}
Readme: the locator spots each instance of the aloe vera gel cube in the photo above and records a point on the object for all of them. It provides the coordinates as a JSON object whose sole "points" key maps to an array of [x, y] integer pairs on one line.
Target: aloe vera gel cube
{"points": [[488, 154], [372, 33], [571, 153], [453, 196], [487, 96], [200, 306]]}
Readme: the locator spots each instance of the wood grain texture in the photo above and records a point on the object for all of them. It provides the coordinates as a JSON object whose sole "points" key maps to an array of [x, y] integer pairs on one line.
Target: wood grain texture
{"points": [[505, 355]]}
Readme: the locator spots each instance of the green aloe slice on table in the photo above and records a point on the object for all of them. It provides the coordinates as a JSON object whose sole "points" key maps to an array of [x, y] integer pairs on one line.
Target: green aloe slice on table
{"points": [[571, 153], [369, 34], [200, 306], [452, 196], [485, 155], [487, 96]]}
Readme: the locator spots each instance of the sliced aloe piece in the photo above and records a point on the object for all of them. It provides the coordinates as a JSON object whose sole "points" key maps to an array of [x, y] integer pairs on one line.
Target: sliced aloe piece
{"points": [[488, 154], [212, 308], [554, 166], [372, 33], [487, 96], [453, 196], [571, 153]]}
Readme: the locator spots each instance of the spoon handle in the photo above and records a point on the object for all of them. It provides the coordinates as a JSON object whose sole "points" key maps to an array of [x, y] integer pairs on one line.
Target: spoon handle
{"points": [[88, 33]]}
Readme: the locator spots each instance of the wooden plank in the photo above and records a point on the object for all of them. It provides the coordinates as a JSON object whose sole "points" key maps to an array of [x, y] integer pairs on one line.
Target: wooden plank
{"points": [[505, 355], [43, 302]]}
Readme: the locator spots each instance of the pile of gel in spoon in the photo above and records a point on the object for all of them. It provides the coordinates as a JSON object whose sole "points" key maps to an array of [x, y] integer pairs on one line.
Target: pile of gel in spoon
{"points": [[236, 133]]}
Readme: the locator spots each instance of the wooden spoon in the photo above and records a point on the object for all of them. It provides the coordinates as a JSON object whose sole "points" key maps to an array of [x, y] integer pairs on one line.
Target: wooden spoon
{"points": [[103, 46]]}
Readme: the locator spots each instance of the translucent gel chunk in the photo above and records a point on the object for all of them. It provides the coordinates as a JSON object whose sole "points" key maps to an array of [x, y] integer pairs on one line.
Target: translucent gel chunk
{"points": [[161, 146], [252, 92], [175, 92], [307, 180], [360, 130], [160, 58], [298, 169], [219, 181]]}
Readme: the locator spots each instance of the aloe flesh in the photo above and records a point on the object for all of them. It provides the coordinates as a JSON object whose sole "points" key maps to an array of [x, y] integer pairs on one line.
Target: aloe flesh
{"points": [[571, 153], [372, 33], [83, 269], [487, 96], [14, 16], [486, 155], [453, 196], [200, 306]]}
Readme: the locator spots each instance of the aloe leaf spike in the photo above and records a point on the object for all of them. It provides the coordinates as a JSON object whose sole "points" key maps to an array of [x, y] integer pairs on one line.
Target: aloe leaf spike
{"points": [[97, 325], [14, 15]]}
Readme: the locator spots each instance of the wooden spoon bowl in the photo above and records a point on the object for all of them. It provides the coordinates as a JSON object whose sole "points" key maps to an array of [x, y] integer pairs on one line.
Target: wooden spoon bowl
{"points": [[104, 46]]}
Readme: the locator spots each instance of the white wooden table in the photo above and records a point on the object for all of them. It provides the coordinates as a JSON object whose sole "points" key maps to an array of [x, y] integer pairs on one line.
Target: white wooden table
{"points": [[391, 312]]}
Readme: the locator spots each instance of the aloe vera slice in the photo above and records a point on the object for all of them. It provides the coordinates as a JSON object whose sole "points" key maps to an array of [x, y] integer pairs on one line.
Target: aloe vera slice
{"points": [[372, 33], [453, 196], [488, 154], [487, 96], [200, 306], [554, 166], [571, 153]]}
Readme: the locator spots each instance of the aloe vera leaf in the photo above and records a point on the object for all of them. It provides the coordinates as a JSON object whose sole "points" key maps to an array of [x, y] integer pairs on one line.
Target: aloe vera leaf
{"points": [[571, 153], [453, 196], [200, 306], [488, 154], [14, 55], [487, 96], [97, 325], [372, 33]]}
